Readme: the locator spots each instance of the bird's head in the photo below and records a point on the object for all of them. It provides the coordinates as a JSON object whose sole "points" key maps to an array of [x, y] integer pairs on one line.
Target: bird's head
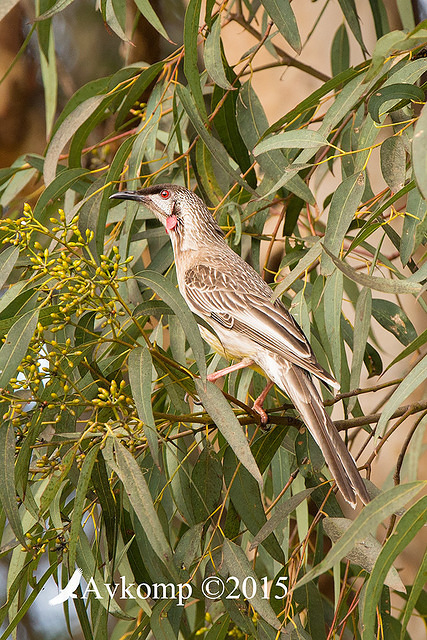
{"points": [[183, 214]]}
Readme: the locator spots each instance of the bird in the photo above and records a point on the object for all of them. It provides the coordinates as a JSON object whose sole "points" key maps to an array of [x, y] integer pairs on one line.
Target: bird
{"points": [[248, 327]]}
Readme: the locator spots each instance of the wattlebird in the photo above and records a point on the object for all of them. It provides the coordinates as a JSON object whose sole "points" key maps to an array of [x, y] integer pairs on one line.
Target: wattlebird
{"points": [[248, 327]]}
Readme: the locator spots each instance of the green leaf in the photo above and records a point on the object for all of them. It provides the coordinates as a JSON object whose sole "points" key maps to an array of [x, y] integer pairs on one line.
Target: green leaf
{"points": [[407, 527], [419, 152], [56, 480], [379, 284], [225, 122], [362, 324], [382, 49], [348, 8], [140, 368], [65, 180], [213, 56], [7, 475], [59, 6], [379, 14], [415, 377], [41, 581], [191, 67], [8, 258], [340, 51], [394, 319], [169, 294], [416, 210], [295, 139], [253, 124], [414, 346], [151, 16], [344, 204], [206, 481], [392, 93], [222, 414], [364, 553], [393, 162], [281, 13], [107, 502], [50, 78], [310, 257], [238, 565], [112, 16], [214, 146], [139, 495], [63, 134], [79, 502], [416, 590], [367, 521], [279, 514], [333, 293], [246, 499], [16, 344], [136, 89]]}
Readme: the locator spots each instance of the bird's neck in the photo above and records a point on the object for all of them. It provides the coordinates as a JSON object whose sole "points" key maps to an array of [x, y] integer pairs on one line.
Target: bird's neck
{"points": [[196, 235]]}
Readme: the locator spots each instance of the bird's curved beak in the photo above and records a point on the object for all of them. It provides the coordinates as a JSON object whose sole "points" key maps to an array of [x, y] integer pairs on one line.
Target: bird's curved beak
{"points": [[129, 195]]}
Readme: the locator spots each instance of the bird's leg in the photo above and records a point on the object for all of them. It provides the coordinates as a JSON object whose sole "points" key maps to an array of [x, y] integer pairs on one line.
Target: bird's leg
{"points": [[246, 362], [257, 405]]}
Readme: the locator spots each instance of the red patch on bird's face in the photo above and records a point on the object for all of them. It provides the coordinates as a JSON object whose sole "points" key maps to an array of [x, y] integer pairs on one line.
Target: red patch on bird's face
{"points": [[171, 223]]}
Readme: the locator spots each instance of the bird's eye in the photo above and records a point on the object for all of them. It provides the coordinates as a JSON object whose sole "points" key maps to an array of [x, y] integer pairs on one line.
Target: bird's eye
{"points": [[164, 194]]}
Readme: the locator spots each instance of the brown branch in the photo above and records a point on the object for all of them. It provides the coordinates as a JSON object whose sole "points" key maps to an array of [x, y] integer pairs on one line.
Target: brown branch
{"points": [[359, 391], [365, 420]]}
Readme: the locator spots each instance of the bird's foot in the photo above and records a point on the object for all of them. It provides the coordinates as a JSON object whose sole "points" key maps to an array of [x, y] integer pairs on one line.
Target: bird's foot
{"points": [[246, 362], [263, 414], [196, 399], [257, 405]]}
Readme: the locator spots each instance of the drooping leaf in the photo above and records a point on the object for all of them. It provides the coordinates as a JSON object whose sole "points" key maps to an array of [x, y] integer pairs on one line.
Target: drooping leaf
{"points": [[7, 475], [364, 553], [362, 323], [394, 319], [344, 204], [140, 367], [340, 51], [419, 152], [213, 56], [301, 139], [221, 412], [412, 381], [392, 93], [407, 527], [191, 69], [173, 298], [393, 162], [214, 146], [368, 520], [79, 501], [239, 566], [151, 16], [8, 258], [349, 10], [16, 344], [280, 11], [206, 485], [140, 498], [379, 284]]}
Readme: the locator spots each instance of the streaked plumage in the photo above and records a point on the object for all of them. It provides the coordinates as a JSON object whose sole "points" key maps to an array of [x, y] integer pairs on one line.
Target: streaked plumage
{"points": [[235, 301]]}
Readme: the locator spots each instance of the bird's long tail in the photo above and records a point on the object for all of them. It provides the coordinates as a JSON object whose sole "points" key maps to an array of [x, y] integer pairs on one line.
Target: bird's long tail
{"points": [[304, 395]]}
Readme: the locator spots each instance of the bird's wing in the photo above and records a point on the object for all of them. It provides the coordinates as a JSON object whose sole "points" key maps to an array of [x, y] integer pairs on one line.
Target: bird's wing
{"points": [[235, 304]]}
